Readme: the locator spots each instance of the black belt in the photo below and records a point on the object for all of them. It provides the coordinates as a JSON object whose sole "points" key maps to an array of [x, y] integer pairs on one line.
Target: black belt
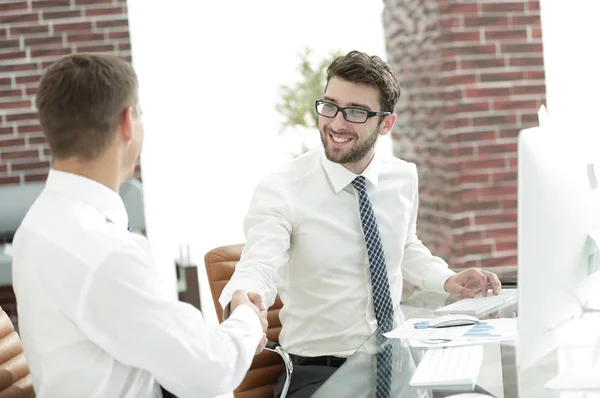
{"points": [[336, 362]]}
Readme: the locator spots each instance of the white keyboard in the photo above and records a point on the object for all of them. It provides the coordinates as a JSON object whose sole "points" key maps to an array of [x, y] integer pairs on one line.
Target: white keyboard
{"points": [[480, 305], [580, 380], [452, 368]]}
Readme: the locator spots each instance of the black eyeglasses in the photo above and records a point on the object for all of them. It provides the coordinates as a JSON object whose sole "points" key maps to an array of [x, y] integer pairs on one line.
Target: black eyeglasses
{"points": [[351, 114]]}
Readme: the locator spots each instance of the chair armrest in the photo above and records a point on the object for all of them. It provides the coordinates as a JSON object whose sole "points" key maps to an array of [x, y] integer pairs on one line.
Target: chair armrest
{"points": [[287, 361]]}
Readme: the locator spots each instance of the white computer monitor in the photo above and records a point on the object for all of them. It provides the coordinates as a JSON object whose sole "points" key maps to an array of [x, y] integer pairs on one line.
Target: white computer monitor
{"points": [[558, 206]]}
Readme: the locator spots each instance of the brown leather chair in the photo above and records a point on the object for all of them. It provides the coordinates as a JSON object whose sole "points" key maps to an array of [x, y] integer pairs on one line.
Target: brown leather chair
{"points": [[267, 366], [15, 379]]}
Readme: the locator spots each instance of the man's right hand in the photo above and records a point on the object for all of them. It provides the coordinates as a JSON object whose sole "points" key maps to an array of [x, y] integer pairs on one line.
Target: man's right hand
{"points": [[254, 301]]}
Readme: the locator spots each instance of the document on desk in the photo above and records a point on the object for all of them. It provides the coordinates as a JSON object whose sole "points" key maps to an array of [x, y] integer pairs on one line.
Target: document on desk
{"points": [[420, 334]]}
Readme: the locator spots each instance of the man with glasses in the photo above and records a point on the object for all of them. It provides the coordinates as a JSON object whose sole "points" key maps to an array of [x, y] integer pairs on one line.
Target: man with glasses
{"points": [[334, 233]]}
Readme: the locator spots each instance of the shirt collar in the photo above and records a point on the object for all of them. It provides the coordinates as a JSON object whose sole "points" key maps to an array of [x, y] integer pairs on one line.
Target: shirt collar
{"points": [[90, 192], [340, 177]]}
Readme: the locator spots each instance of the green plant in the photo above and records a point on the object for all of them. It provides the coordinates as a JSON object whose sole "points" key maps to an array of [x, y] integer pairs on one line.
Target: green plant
{"points": [[297, 101]]}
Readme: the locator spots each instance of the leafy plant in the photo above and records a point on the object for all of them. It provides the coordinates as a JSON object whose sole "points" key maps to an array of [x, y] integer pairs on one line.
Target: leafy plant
{"points": [[297, 101]]}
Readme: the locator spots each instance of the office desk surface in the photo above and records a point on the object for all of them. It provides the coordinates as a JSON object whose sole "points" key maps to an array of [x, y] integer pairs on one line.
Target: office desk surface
{"points": [[497, 378]]}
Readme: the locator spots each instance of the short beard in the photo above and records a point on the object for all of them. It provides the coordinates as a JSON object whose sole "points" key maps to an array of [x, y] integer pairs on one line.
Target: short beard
{"points": [[356, 154]]}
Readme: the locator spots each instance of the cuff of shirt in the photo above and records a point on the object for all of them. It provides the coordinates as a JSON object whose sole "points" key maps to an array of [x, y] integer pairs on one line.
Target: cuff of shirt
{"points": [[247, 315], [435, 283]]}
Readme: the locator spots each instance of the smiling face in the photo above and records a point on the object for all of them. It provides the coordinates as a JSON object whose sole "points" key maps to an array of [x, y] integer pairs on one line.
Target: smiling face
{"points": [[352, 144]]}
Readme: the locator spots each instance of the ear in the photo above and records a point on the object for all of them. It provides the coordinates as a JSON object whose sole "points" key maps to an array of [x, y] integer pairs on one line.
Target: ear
{"points": [[387, 124], [126, 124]]}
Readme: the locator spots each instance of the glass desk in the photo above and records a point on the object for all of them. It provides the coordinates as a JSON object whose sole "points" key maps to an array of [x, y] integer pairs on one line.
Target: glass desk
{"points": [[497, 377]]}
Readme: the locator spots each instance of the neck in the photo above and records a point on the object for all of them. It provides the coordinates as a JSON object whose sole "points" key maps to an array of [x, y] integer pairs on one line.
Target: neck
{"points": [[361, 165], [99, 170]]}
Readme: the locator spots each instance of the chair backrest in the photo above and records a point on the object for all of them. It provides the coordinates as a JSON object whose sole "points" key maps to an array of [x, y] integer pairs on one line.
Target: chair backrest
{"points": [[267, 366], [15, 379]]}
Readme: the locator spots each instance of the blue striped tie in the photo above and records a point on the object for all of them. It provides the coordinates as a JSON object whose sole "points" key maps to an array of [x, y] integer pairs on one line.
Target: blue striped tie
{"points": [[382, 300]]}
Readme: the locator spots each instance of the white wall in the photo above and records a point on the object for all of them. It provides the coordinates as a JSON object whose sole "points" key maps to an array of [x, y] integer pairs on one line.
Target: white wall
{"points": [[209, 75], [570, 32]]}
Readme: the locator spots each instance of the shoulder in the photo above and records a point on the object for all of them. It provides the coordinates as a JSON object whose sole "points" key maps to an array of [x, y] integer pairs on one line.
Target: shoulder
{"points": [[397, 167], [295, 171]]}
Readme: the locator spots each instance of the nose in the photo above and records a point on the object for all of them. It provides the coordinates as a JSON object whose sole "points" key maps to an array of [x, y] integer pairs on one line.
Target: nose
{"points": [[339, 123]]}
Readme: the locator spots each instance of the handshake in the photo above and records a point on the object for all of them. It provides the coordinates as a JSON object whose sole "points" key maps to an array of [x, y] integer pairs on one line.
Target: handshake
{"points": [[254, 301]]}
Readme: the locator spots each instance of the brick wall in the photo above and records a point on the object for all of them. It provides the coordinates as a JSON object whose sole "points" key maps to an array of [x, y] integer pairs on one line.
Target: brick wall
{"points": [[33, 34], [472, 77]]}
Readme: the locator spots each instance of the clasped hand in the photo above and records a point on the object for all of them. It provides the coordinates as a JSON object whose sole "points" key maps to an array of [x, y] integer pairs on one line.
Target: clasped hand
{"points": [[254, 301]]}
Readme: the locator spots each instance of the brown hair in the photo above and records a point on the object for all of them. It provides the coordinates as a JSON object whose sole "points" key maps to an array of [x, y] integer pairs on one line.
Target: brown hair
{"points": [[80, 100], [358, 67]]}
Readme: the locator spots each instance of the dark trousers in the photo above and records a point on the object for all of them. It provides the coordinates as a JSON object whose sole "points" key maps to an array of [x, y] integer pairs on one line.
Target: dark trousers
{"points": [[306, 380]]}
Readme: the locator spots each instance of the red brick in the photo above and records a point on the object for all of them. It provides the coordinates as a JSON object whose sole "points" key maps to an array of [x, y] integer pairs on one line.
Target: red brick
{"points": [[482, 164], [50, 3], [85, 37], [526, 61], [6, 130], [28, 79], [461, 9], [499, 261], [12, 142], [474, 250], [24, 154], [91, 2], [526, 20], [504, 218], [124, 47], [483, 21], [5, 82], [9, 44], [483, 63], [29, 29], [529, 89], [105, 11], [35, 128], [502, 7], [518, 48], [504, 176], [501, 233], [30, 166], [533, 5], [37, 140], [502, 76], [488, 92], [498, 191], [468, 107], [41, 41], [464, 36], [529, 119], [450, 23], [50, 52], [113, 23], [469, 236], [512, 162], [3, 168], [504, 35], [469, 50], [10, 93], [61, 14], [19, 18], [21, 116], [458, 79], [30, 90], [118, 35], [12, 55], [473, 178], [536, 33], [475, 136], [72, 27], [9, 180], [535, 75], [36, 177], [96, 48], [505, 104], [15, 104], [494, 149], [16, 6], [494, 120]]}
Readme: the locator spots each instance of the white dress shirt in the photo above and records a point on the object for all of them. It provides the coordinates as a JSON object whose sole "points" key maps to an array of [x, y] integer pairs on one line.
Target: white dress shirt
{"points": [[304, 240], [91, 314]]}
